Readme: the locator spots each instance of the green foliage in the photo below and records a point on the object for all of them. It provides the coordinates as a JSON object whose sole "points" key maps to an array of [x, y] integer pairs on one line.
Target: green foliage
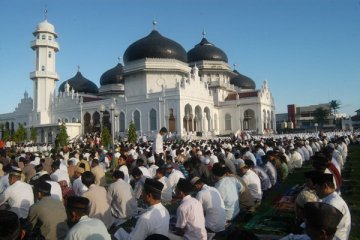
{"points": [[6, 135], [62, 137], [132, 135], [334, 106], [33, 134], [105, 137], [20, 134], [320, 115]]}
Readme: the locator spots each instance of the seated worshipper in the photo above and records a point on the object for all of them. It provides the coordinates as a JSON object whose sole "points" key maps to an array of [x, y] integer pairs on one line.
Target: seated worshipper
{"points": [[78, 187], [308, 194], [152, 166], [82, 226], [99, 206], [57, 174], [47, 217], [122, 166], [264, 178], [10, 227], [166, 193], [28, 170], [325, 189], [139, 178], [98, 172], [213, 206], [123, 202], [4, 180], [229, 189], [173, 175], [190, 221], [322, 164], [19, 195], [321, 220], [270, 170], [251, 180], [155, 220], [56, 191], [140, 164]]}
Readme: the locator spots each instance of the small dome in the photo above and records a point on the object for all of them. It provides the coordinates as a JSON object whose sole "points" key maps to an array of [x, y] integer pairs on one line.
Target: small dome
{"points": [[155, 45], [113, 76], [80, 84], [45, 26], [206, 51], [242, 81]]}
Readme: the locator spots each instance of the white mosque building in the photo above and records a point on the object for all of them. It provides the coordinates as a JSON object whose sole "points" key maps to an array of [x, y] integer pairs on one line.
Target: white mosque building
{"points": [[160, 84]]}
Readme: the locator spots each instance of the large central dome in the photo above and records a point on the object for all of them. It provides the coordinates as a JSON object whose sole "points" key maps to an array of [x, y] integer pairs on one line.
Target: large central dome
{"points": [[155, 46], [80, 84]]}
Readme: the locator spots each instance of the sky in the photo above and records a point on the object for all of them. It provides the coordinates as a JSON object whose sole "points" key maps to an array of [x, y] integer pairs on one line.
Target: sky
{"points": [[308, 50]]}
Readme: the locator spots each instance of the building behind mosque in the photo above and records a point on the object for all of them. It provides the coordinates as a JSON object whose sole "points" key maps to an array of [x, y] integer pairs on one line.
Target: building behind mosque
{"points": [[159, 84]]}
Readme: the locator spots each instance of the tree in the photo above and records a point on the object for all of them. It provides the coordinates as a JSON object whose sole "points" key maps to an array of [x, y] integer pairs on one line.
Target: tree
{"points": [[33, 134], [105, 137], [20, 134], [320, 115], [334, 106], [62, 136], [132, 135]]}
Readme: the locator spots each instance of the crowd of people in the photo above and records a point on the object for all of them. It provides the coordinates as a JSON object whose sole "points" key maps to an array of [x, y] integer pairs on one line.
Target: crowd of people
{"points": [[83, 191]]}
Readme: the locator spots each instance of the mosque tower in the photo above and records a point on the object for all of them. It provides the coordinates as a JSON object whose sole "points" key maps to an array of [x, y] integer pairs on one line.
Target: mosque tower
{"points": [[45, 76]]}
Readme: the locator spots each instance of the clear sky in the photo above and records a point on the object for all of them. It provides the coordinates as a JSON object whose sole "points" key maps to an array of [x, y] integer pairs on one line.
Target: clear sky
{"points": [[308, 50]]}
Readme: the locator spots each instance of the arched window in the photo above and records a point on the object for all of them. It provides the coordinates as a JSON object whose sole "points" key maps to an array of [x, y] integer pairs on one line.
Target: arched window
{"points": [[122, 122], [66, 120], [227, 121], [137, 120], [49, 54], [74, 120], [153, 123]]}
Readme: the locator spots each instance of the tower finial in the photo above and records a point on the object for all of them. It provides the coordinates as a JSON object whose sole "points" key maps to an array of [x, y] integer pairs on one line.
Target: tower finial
{"points": [[45, 12], [203, 33], [78, 67], [154, 22], [119, 59], [234, 66]]}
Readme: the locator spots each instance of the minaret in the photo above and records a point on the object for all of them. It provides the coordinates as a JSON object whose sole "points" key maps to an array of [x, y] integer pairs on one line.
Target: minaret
{"points": [[45, 76]]}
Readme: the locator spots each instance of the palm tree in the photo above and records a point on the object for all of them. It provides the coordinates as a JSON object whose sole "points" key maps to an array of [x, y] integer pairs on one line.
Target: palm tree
{"points": [[320, 115], [334, 106]]}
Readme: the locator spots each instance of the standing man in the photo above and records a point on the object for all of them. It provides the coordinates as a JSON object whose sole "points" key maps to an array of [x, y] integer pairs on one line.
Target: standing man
{"points": [[52, 226], [159, 143], [155, 220]]}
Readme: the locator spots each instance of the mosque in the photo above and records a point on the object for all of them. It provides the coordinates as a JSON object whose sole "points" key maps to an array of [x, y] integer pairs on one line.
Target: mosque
{"points": [[159, 84]]}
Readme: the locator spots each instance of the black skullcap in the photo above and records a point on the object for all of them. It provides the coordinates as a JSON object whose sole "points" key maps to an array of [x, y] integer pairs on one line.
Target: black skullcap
{"points": [[43, 187], [77, 202], [322, 178], [218, 170], [311, 174], [322, 215], [164, 130], [9, 225], [184, 185], [153, 185], [249, 163]]}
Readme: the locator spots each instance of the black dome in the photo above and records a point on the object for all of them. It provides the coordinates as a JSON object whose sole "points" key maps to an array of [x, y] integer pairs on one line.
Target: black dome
{"points": [[113, 76], [155, 46], [206, 51], [80, 84], [242, 81]]}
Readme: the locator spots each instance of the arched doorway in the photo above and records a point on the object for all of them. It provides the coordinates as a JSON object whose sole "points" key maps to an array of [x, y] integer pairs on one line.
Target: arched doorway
{"points": [[249, 120], [187, 120], [172, 121]]}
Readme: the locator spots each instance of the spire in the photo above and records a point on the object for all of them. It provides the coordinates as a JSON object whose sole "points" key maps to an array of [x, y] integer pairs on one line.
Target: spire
{"points": [[78, 68], [234, 66], [203, 33], [154, 22], [45, 12], [119, 59]]}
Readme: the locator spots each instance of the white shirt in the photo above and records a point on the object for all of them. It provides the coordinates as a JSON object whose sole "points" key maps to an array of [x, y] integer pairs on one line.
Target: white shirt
{"points": [[60, 175], [125, 170], [4, 183], [154, 221], [214, 208], [88, 228], [296, 160], [20, 197], [229, 189], [253, 183], [78, 187], [56, 192], [152, 170], [166, 193], [145, 172], [190, 216], [344, 227], [158, 144], [174, 177]]}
